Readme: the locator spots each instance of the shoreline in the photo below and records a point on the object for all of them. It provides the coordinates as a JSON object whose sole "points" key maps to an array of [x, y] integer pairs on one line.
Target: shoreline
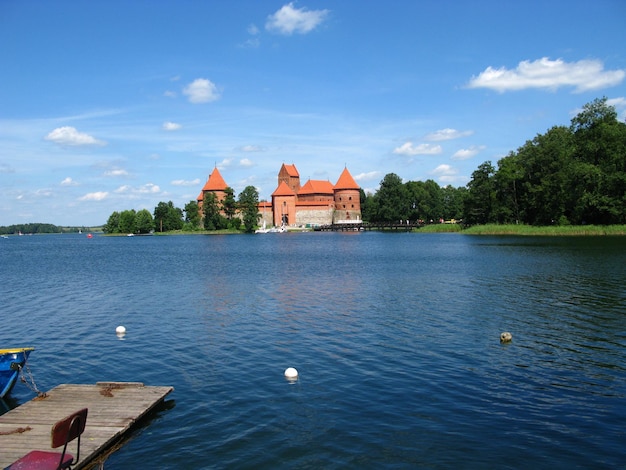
{"points": [[529, 230]]}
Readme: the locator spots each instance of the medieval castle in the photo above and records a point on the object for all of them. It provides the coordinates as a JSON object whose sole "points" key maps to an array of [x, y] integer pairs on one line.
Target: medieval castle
{"points": [[318, 202]]}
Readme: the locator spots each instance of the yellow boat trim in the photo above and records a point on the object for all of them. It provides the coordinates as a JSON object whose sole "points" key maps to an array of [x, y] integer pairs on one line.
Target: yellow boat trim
{"points": [[15, 350]]}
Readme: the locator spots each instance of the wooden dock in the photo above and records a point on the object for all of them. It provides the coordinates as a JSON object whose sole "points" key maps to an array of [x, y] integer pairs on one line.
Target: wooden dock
{"points": [[114, 407], [360, 227]]}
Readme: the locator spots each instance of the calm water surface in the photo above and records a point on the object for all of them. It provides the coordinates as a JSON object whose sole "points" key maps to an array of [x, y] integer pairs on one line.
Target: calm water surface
{"points": [[395, 336]]}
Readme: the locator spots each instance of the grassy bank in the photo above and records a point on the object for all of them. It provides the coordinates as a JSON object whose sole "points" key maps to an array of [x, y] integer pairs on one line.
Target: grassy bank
{"points": [[441, 228], [553, 230]]}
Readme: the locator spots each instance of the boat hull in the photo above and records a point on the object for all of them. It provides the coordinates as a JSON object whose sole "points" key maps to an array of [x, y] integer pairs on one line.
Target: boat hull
{"points": [[11, 361]]}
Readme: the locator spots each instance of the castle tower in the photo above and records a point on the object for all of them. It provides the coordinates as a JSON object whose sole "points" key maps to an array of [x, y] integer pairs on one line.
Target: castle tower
{"points": [[347, 198], [284, 205], [216, 185], [290, 176]]}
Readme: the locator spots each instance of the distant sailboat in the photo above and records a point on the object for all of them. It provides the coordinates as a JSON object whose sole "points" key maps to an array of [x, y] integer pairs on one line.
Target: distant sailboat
{"points": [[263, 228]]}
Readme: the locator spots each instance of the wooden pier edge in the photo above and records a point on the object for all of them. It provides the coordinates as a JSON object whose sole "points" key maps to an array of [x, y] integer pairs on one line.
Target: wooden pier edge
{"points": [[114, 410]]}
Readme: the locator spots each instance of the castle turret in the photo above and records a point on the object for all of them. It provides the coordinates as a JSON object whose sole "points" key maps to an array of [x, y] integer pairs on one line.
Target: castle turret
{"points": [[216, 185], [347, 198]]}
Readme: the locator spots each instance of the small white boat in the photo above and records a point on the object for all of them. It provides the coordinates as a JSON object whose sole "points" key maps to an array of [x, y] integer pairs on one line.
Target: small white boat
{"points": [[263, 229]]}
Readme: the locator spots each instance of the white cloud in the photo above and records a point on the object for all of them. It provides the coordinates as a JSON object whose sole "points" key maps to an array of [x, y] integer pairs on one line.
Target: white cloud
{"points": [[170, 94], [251, 43], [617, 102], [620, 106], [148, 188], [201, 90], [369, 176], [171, 126], [97, 196], [245, 162], [464, 154], [68, 135], [123, 189], [447, 134], [583, 75], [116, 172], [446, 174], [289, 20], [251, 148], [253, 30], [224, 163], [45, 192], [69, 182], [409, 149], [195, 182]]}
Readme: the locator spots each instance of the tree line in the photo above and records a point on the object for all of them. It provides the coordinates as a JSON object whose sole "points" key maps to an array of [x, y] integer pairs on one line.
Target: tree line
{"points": [[230, 213], [569, 175], [40, 228]]}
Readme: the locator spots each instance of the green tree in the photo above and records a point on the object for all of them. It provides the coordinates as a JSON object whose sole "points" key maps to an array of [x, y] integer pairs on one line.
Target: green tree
{"points": [[598, 182], [508, 188], [368, 207], [248, 206], [167, 217], [144, 223], [478, 204], [113, 223], [213, 219], [192, 215], [531, 184], [391, 203], [229, 204], [452, 202], [127, 221]]}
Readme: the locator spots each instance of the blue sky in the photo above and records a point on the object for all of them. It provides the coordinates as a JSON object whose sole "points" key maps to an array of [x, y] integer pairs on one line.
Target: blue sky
{"points": [[114, 105]]}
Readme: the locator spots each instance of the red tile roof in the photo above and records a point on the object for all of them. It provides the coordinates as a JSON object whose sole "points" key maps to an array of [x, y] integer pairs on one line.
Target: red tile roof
{"points": [[283, 190], [291, 170], [215, 182], [346, 181], [316, 187]]}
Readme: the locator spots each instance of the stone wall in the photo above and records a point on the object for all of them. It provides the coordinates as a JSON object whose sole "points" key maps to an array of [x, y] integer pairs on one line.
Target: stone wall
{"points": [[316, 216], [344, 216]]}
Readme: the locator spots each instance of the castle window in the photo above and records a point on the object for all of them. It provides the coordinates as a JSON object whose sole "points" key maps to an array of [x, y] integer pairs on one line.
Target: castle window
{"points": [[350, 198]]}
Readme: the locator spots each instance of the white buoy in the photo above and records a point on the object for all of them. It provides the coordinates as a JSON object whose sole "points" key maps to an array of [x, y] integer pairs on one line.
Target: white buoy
{"points": [[291, 373], [120, 330], [506, 337]]}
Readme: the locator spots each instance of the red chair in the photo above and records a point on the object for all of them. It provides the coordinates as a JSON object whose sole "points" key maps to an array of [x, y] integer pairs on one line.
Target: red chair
{"points": [[63, 432]]}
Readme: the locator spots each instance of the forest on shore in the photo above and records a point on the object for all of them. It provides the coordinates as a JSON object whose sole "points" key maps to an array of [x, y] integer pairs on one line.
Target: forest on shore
{"points": [[572, 175]]}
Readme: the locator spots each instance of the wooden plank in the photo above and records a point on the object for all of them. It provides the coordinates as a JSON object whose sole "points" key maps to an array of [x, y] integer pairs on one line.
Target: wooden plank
{"points": [[114, 407]]}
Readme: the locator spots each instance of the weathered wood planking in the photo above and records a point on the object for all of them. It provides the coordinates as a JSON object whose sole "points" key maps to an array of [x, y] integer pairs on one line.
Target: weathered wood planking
{"points": [[113, 409]]}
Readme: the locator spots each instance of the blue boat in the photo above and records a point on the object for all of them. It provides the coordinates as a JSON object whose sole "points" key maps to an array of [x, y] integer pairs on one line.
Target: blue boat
{"points": [[11, 363]]}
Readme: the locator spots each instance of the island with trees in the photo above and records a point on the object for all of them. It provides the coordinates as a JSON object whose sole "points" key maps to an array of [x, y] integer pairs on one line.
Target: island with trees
{"points": [[568, 176]]}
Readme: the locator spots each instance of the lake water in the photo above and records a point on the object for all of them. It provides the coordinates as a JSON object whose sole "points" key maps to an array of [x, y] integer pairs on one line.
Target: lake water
{"points": [[395, 337]]}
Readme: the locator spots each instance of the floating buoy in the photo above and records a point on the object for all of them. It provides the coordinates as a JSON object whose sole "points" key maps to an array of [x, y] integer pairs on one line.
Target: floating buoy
{"points": [[120, 330], [291, 373], [506, 337]]}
